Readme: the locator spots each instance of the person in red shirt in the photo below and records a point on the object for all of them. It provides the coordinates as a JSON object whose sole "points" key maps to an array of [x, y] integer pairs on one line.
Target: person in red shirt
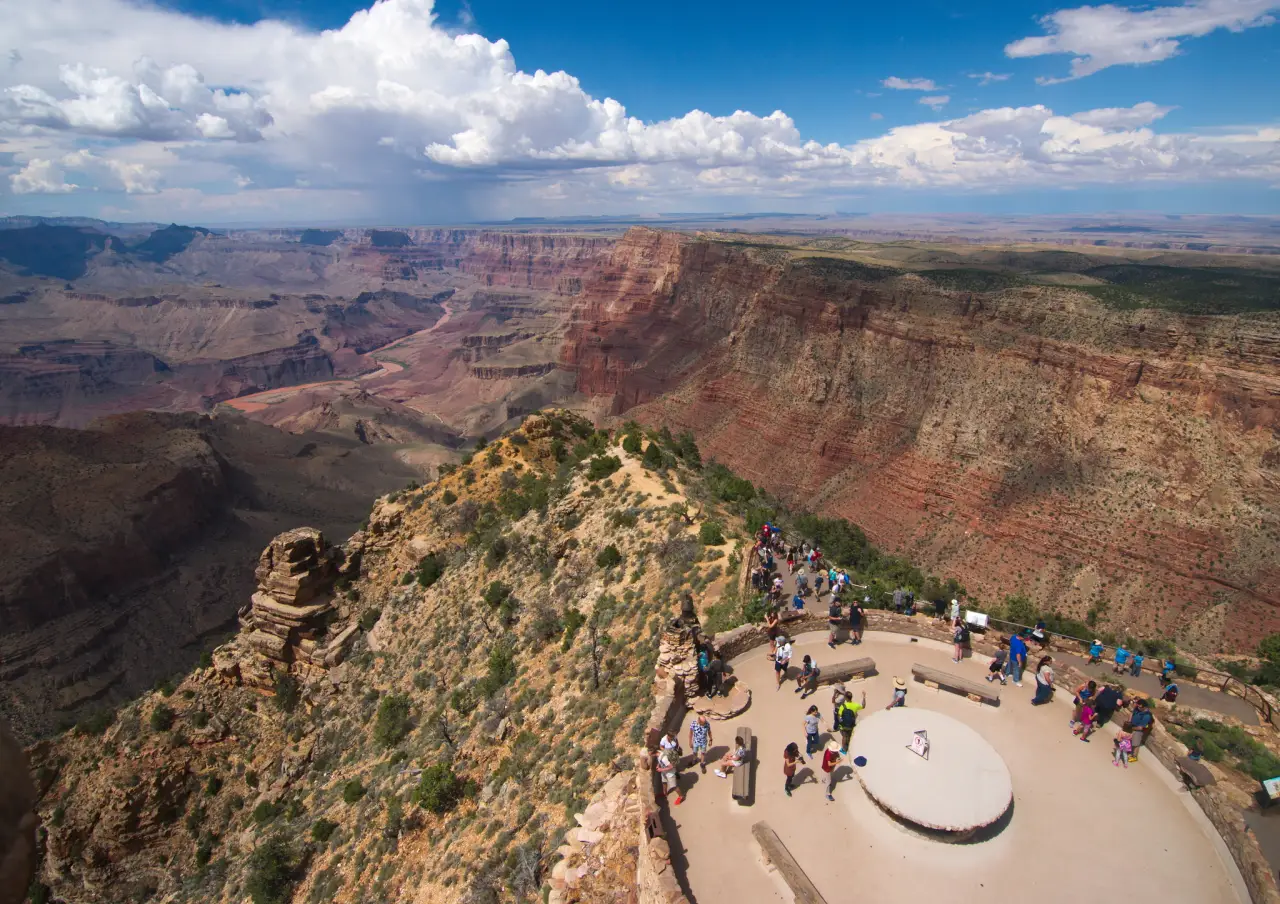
{"points": [[830, 760]]}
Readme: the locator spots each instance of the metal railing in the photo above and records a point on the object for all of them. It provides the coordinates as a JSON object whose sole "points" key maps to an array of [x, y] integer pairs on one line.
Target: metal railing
{"points": [[1230, 684]]}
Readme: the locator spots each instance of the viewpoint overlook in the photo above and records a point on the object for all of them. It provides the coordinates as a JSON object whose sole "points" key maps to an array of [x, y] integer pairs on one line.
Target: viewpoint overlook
{"points": [[481, 452]]}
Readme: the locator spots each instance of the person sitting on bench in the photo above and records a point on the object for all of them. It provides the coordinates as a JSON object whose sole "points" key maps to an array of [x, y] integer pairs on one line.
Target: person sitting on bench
{"points": [[733, 759]]}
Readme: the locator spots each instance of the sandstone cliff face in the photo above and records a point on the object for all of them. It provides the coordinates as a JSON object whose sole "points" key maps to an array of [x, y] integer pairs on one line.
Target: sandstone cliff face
{"points": [[1026, 440]]}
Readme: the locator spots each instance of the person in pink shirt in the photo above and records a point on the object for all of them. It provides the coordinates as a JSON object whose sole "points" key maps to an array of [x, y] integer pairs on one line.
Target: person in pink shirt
{"points": [[1086, 725]]}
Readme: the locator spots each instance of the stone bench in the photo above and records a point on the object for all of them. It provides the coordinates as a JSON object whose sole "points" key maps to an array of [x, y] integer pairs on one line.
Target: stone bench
{"points": [[974, 690], [776, 853], [841, 672], [742, 773]]}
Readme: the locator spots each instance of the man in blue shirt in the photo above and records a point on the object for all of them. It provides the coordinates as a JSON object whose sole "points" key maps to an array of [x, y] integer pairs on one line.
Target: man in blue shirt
{"points": [[1017, 658], [1142, 722]]}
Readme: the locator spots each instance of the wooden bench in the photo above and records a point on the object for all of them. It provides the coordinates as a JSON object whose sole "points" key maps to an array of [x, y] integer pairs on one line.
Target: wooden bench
{"points": [[975, 690], [776, 852], [841, 672], [1194, 773], [742, 773]]}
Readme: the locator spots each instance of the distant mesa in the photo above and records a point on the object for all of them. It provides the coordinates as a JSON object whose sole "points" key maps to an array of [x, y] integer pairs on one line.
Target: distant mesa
{"points": [[58, 251], [165, 243], [387, 238], [320, 237]]}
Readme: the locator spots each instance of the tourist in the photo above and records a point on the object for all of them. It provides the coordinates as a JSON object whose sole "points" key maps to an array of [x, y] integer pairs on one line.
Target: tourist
{"points": [[1084, 694], [802, 582], [700, 740], [849, 719], [855, 622], [830, 760], [733, 759], [1084, 715], [1044, 681], [959, 634], [812, 728], [782, 659], [1040, 634], [670, 777], [1136, 669], [817, 584], [1140, 723], [671, 747], [807, 680], [899, 697], [834, 616], [1017, 659], [771, 622], [995, 668], [1105, 704], [1123, 745], [797, 602], [776, 592], [1167, 668], [716, 671], [704, 671], [1170, 692], [1096, 650], [838, 696], [791, 561], [790, 757], [955, 611], [1121, 661]]}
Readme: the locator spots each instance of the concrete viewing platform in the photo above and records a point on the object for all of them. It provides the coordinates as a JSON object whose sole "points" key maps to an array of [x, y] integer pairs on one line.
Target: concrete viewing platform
{"points": [[959, 785], [1062, 821]]}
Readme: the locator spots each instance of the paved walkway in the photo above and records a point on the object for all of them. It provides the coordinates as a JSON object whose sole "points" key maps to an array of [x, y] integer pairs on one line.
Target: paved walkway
{"points": [[1079, 825], [1188, 694]]}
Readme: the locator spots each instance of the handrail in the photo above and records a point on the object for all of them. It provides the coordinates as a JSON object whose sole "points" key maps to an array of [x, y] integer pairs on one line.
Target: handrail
{"points": [[1247, 692]]}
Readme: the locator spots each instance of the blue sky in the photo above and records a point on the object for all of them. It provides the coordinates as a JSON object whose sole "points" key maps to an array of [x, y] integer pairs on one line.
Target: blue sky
{"points": [[465, 132]]}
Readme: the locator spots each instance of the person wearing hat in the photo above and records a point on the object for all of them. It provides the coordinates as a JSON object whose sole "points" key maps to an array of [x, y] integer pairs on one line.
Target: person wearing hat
{"points": [[830, 760], [899, 693], [1096, 650]]}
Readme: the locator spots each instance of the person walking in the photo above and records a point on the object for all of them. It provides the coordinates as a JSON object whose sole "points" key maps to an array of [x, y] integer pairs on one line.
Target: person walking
{"points": [[1095, 651], [1121, 662], [1044, 681], [1017, 659], [849, 719], [812, 731], [830, 760], [771, 622], [1085, 718], [838, 696], [790, 758], [782, 659], [670, 777], [899, 697], [700, 740]]}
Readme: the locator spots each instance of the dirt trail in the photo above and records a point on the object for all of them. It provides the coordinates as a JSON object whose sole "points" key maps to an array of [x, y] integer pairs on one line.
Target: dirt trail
{"points": [[258, 401]]}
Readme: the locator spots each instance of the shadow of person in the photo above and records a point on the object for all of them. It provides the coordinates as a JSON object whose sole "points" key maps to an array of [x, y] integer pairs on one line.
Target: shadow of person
{"points": [[844, 772], [715, 754], [804, 775]]}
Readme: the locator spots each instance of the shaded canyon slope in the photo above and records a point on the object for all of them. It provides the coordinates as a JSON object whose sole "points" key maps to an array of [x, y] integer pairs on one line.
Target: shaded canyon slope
{"points": [[1026, 439], [130, 546]]}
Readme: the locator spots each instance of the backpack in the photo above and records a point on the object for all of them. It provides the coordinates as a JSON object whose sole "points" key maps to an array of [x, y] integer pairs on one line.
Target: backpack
{"points": [[963, 634], [848, 717]]}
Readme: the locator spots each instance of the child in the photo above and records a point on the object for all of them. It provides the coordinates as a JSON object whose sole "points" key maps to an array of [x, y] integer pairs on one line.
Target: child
{"points": [[790, 757], [1085, 726], [1124, 746], [995, 669], [1095, 651]]}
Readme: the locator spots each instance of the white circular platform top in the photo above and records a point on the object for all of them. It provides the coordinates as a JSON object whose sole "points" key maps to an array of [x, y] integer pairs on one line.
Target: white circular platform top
{"points": [[963, 785]]}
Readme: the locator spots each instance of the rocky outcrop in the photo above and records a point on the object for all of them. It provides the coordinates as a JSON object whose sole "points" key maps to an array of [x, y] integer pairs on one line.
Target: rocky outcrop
{"points": [[510, 371], [18, 820], [1024, 440], [293, 622]]}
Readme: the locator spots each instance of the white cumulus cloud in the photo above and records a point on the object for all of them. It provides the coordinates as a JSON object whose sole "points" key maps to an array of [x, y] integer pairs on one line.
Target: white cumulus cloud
{"points": [[393, 116], [1109, 35], [986, 78], [909, 84]]}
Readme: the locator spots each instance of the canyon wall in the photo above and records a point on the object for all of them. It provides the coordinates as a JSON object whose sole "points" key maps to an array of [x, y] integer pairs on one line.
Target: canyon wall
{"points": [[1027, 440]]}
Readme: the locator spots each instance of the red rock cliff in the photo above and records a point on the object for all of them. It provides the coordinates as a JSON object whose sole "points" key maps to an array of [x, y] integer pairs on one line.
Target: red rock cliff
{"points": [[1026, 440]]}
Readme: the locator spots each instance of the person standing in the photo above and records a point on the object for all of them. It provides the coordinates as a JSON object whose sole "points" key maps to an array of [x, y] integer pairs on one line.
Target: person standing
{"points": [[849, 719], [1122, 661], [715, 672], [838, 695], [855, 622], [1084, 694], [1136, 668], [671, 747], [782, 659], [771, 622], [1044, 681], [955, 611], [958, 637], [700, 740], [1141, 724], [834, 617], [1105, 705], [790, 758], [812, 729], [1017, 658], [807, 680], [704, 671], [830, 760]]}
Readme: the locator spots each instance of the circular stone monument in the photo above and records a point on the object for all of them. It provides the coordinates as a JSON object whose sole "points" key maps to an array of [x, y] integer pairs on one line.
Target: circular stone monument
{"points": [[960, 786]]}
